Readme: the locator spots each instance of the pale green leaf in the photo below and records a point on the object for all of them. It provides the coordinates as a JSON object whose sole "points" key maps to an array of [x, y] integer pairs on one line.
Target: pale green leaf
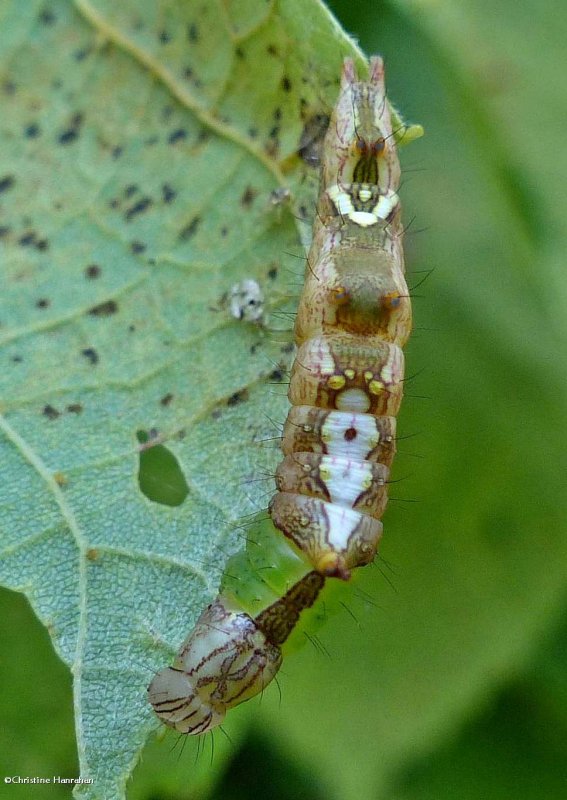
{"points": [[479, 561], [140, 146]]}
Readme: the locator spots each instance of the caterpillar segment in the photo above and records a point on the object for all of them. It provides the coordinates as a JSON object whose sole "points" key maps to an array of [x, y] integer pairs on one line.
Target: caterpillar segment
{"points": [[339, 438]]}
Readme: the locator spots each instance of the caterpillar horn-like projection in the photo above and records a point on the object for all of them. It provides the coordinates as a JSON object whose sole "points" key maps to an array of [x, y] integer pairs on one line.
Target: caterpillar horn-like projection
{"points": [[346, 387]]}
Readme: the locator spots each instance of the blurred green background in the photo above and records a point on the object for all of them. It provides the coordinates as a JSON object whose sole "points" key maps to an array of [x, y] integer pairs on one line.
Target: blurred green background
{"points": [[485, 194]]}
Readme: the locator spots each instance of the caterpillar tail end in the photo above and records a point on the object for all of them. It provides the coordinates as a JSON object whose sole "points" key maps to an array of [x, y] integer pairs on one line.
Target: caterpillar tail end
{"points": [[177, 704]]}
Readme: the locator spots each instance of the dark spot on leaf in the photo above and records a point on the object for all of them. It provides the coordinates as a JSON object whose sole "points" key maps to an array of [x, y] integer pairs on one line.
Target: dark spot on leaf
{"points": [[130, 190], [138, 208], [204, 135], [92, 271], [253, 133], [74, 408], [71, 134], [193, 33], [117, 151], [188, 73], [4, 231], [311, 139], [32, 131], [239, 53], [6, 183], [60, 478], [224, 231], [164, 37], [105, 309], [114, 203], [91, 355], [216, 414], [274, 132], [137, 248], [237, 397], [50, 412], [277, 114], [92, 554], [166, 399], [160, 476], [276, 375], [168, 193], [272, 50], [273, 273], [43, 302], [272, 148], [17, 359], [286, 84], [47, 17], [190, 229], [81, 54], [131, 328], [42, 245], [248, 197], [177, 136], [27, 239], [9, 88], [287, 348]]}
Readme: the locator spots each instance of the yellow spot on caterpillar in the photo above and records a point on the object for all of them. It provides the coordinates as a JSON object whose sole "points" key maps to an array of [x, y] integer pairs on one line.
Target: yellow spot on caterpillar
{"points": [[327, 564], [324, 474], [391, 300], [350, 373], [376, 387], [368, 376], [336, 382], [341, 294]]}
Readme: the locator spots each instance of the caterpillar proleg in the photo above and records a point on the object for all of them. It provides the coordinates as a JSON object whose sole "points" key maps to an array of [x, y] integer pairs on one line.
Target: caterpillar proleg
{"points": [[339, 438]]}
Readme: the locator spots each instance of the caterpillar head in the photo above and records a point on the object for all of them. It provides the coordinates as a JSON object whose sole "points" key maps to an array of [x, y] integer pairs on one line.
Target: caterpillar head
{"points": [[360, 143], [180, 705]]}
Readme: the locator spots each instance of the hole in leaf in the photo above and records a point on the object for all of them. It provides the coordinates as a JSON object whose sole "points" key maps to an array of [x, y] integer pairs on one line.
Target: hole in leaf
{"points": [[160, 477]]}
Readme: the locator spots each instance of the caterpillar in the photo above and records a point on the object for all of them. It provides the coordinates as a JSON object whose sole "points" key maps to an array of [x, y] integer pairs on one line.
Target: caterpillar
{"points": [[339, 438]]}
